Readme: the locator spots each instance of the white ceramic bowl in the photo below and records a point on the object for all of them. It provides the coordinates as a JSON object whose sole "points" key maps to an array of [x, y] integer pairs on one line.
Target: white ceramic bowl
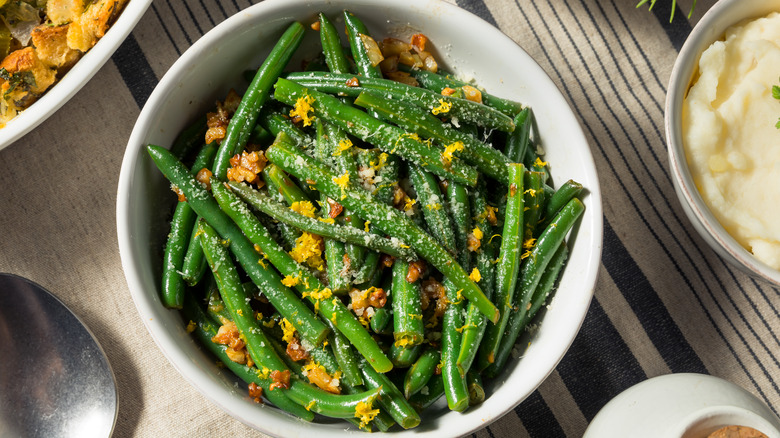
{"points": [[77, 77], [709, 29], [684, 405], [215, 63]]}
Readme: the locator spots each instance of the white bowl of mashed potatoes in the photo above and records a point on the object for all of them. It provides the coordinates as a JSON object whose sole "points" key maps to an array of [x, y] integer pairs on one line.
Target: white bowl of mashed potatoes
{"points": [[724, 145]]}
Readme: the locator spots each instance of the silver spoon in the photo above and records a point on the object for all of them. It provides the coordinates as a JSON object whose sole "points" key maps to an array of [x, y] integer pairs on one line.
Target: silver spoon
{"points": [[55, 380]]}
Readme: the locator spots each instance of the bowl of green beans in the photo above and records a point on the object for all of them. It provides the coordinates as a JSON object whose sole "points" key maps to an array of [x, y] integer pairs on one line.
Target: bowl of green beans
{"points": [[385, 227]]}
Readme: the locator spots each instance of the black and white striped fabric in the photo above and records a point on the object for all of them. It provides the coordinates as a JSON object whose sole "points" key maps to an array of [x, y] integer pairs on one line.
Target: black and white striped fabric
{"points": [[664, 302]]}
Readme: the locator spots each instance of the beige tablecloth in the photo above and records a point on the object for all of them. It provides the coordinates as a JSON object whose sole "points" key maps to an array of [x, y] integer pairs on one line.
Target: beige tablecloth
{"points": [[664, 301]]}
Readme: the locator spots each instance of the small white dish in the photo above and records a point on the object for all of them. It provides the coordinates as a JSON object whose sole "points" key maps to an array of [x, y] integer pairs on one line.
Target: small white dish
{"points": [[77, 77], [685, 405]]}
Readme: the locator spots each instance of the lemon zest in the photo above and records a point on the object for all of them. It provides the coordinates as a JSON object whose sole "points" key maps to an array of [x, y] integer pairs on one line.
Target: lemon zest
{"points": [[303, 108]]}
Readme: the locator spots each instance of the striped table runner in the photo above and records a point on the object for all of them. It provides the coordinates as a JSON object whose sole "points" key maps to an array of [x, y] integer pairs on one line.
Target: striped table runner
{"points": [[664, 302]]}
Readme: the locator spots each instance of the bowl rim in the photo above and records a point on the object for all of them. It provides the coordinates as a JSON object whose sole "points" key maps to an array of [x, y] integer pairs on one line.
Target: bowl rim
{"points": [[78, 76], [686, 64], [208, 387]]}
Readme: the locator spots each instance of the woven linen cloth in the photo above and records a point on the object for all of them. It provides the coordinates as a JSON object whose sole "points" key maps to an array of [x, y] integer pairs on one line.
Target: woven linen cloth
{"points": [[664, 302]]}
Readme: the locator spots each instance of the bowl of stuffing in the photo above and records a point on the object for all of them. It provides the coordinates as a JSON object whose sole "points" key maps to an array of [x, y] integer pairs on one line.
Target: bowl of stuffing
{"points": [[50, 49], [358, 167]]}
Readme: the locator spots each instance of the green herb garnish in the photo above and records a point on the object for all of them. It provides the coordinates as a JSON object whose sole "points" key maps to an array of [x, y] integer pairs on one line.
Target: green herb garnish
{"points": [[674, 7], [776, 95], [26, 79]]}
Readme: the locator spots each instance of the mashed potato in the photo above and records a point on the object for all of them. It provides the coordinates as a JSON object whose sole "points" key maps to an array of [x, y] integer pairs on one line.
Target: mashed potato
{"points": [[730, 138]]}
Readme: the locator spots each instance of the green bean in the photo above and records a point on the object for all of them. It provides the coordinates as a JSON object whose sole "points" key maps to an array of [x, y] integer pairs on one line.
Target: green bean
{"points": [[288, 234], [174, 254], [420, 373], [304, 281], [391, 399], [276, 210], [475, 323], [431, 202], [346, 359], [395, 223], [387, 137], [403, 356], [429, 394], [345, 163], [508, 264], [485, 158], [380, 323], [516, 322], [189, 139], [518, 142], [286, 186], [460, 212], [331, 46], [540, 256], [338, 262], [454, 382], [465, 111], [476, 390], [289, 305], [408, 326], [276, 122], [534, 198], [194, 264], [236, 300], [204, 330], [215, 307], [437, 83], [245, 117], [356, 32], [565, 193]]}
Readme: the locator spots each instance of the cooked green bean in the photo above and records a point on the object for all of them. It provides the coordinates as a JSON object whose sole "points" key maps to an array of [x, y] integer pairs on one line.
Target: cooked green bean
{"points": [[387, 137], [204, 330], [485, 158], [437, 83], [331, 46], [403, 356], [182, 224], [337, 261], [356, 236], [236, 300], [276, 122], [304, 281], [245, 117], [476, 390], [565, 193], [391, 399], [189, 138], [465, 111], [408, 326], [201, 201], [508, 263], [431, 202], [516, 322], [475, 323], [356, 34], [429, 394], [518, 141], [420, 373], [395, 223], [455, 388]]}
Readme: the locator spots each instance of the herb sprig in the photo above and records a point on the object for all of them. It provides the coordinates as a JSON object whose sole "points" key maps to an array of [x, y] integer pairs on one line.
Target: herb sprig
{"points": [[674, 7]]}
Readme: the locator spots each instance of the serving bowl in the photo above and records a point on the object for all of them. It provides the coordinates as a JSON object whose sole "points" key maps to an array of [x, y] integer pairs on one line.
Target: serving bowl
{"points": [[86, 67], [709, 29], [215, 64]]}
